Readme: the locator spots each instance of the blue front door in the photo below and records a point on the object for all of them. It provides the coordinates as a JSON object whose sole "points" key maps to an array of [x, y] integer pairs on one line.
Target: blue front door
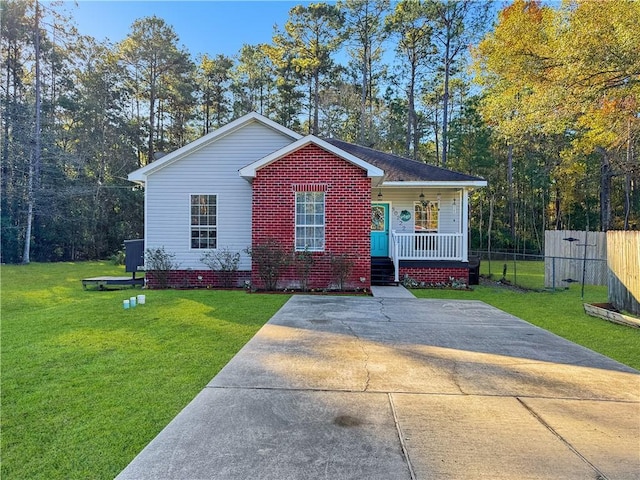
{"points": [[380, 230]]}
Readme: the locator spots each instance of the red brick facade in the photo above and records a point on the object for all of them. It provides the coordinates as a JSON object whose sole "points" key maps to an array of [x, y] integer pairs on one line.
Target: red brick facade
{"points": [[347, 213], [434, 274]]}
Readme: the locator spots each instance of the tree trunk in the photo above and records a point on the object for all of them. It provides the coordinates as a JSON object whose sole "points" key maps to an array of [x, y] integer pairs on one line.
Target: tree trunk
{"points": [[26, 253], [512, 223], [436, 133], [9, 111], [489, 227], [152, 114], [363, 96], [480, 225], [605, 191], [139, 122], [33, 182], [38, 102], [416, 136], [411, 108], [445, 104], [544, 211], [207, 114], [369, 119], [316, 101], [557, 207], [627, 182]]}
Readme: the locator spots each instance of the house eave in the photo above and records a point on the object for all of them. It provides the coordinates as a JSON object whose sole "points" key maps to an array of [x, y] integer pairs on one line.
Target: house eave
{"points": [[432, 184], [137, 180]]}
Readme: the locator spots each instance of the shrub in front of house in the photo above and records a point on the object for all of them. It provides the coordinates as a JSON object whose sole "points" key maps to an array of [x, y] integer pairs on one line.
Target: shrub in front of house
{"points": [[303, 262], [158, 265], [341, 267], [453, 283], [271, 259], [225, 262]]}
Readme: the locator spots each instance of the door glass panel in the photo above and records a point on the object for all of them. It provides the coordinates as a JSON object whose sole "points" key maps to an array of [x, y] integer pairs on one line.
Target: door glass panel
{"points": [[377, 218]]}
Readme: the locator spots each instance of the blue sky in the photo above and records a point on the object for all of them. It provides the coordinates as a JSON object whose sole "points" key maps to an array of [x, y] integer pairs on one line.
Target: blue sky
{"points": [[205, 26]]}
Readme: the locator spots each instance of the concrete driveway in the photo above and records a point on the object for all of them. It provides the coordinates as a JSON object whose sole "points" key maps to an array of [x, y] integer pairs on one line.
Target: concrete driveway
{"points": [[402, 388]]}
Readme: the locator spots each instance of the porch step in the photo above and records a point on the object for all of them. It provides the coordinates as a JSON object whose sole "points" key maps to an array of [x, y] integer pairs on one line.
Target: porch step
{"points": [[382, 271]]}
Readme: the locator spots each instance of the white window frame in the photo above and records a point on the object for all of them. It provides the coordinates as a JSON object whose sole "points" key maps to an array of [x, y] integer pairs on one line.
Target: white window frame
{"points": [[310, 218], [205, 226], [431, 205]]}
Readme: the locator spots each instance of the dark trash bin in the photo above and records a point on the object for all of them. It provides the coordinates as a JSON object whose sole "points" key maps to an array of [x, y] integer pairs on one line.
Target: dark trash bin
{"points": [[474, 269]]}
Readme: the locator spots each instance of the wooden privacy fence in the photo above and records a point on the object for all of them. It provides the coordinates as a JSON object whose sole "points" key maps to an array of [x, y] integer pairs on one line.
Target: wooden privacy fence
{"points": [[624, 270], [574, 256]]}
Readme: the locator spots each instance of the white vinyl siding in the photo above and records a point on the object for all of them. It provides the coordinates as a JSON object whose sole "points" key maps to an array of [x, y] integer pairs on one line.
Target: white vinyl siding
{"points": [[310, 221], [403, 200], [213, 169]]}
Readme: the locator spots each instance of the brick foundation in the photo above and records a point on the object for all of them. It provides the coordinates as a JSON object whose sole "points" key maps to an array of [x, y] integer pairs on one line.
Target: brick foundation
{"points": [[198, 279], [321, 277], [435, 274]]}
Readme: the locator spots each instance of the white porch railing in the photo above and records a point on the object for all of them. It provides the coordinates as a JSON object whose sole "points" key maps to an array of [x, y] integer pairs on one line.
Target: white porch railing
{"points": [[426, 246]]}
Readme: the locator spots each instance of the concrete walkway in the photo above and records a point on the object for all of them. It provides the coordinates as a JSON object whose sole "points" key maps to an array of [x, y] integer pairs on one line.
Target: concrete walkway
{"points": [[391, 292], [402, 388]]}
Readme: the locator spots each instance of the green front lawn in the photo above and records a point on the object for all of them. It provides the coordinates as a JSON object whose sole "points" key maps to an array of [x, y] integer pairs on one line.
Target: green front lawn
{"points": [[86, 384]]}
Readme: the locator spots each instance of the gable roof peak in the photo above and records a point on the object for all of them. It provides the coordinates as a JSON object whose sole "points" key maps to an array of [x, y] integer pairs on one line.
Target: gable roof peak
{"points": [[252, 117], [249, 172]]}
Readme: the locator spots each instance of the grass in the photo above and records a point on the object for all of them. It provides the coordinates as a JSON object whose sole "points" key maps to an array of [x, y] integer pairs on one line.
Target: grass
{"points": [[86, 384], [527, 274]]}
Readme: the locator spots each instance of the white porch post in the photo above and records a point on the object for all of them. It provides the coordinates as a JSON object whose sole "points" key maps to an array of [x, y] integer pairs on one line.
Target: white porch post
{"points": [[464, 224], [396, 255]]}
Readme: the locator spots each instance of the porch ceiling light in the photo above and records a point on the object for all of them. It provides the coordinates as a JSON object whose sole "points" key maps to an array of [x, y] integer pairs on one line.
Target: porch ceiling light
{"points": [[423, 202]]}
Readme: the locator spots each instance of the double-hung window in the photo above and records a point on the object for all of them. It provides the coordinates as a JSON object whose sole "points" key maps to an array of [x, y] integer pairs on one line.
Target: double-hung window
{"points": [[310, 221], [204, 221], [426, 217]]}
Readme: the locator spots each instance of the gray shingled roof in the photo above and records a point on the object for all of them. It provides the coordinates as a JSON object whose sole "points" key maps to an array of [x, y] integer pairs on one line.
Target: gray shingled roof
{"points": [[401, 169]]}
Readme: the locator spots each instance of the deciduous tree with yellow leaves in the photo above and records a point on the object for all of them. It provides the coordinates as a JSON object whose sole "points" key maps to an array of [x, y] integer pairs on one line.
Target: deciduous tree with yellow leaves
{"points": [[570, 73]]}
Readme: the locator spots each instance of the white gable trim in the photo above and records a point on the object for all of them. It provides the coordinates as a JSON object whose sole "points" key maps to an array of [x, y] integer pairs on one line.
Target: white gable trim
{"points": [[249, 172], [140, 175]]}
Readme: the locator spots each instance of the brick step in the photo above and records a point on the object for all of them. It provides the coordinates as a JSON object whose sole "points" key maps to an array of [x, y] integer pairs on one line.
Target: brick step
{"points": [[382, 271]]}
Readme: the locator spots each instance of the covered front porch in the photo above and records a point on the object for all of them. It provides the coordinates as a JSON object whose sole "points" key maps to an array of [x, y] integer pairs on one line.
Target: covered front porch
{"points": [[419, 216], [420, 228]]}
